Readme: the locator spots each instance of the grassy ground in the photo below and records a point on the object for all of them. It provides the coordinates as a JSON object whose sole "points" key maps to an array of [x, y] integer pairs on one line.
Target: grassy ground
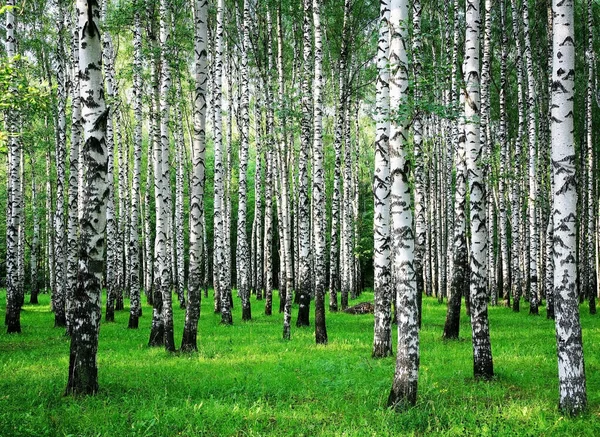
{"points": [[246, 381]]}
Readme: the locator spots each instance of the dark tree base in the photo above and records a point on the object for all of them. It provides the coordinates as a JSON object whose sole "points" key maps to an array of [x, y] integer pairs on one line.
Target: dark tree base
{"points": [[33, 299], [133, 321], [157, 336], [381, 350], [119, 306], [516, 305], [109, 316], [344, 300], [169, 339], [60, 321], [592, 303], [402, 398], [14, 327], [226, 319], [246, 313], [303, 310], [483, 371], [282, 298], [452, 325], [188, 344]]}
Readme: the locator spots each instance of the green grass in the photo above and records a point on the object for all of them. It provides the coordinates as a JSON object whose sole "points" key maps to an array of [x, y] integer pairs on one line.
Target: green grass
{"points": [[246, 381]]}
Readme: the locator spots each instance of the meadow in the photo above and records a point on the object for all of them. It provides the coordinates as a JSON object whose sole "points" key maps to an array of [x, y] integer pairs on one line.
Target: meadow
{"points": [[246, 381]]}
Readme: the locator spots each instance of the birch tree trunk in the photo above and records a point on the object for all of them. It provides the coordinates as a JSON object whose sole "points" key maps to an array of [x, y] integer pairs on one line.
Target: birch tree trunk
{"points": [[404, 387], [382, 338], [318, 188], [303, 272], [571, 369], [242, 252], [590, 278], [61, 152], [531, 200], [460, 260], [516, 237], [192, 313], [482, 351], [13, 311], [83, 369], [504, 156], [35, 241], [111, 220], [135, 305], [73, 193]]}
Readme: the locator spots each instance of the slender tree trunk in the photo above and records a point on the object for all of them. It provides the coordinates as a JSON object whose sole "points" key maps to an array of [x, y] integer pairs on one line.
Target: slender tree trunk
{"points": [[517, 276], [318, 188], [304, 278], [590, 278], [420, 223], [502, 177], [460, 268], [73, 193], [482, 351], [533, 241], [61, 152], [83, 370], [382, 338], [404, 388], [111, 221], [192, 313], [35, 240], [13, 311], [135, 306], [242, 252]]}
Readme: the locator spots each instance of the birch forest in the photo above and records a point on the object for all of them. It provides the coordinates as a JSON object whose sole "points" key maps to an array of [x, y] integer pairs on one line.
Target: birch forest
{"points": [[426, 167]]}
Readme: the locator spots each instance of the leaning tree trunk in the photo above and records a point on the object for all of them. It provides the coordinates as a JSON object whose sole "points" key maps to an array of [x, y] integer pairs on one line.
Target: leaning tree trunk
{"points": [[404, 388], [571, 369], [83, 369], [318, 188], [482, 350], [382, 338], [192, 312], [460, 260], [13, 311]]}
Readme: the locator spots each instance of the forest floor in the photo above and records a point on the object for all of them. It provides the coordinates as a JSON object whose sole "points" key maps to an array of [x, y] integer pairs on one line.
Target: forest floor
{"points": [[246, 381]]}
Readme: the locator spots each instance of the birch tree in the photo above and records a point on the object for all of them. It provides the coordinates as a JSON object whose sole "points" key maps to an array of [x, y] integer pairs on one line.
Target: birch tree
{"points": [[304, 279], [404, 386], [83, 369], [135, 305], [382, 339], [318, 181], [192, 313], [13, 311], [482, 351], [571, 369]]}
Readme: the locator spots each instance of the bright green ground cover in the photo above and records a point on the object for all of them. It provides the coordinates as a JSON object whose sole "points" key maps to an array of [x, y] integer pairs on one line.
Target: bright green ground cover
{"points": [[246, 381]]}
